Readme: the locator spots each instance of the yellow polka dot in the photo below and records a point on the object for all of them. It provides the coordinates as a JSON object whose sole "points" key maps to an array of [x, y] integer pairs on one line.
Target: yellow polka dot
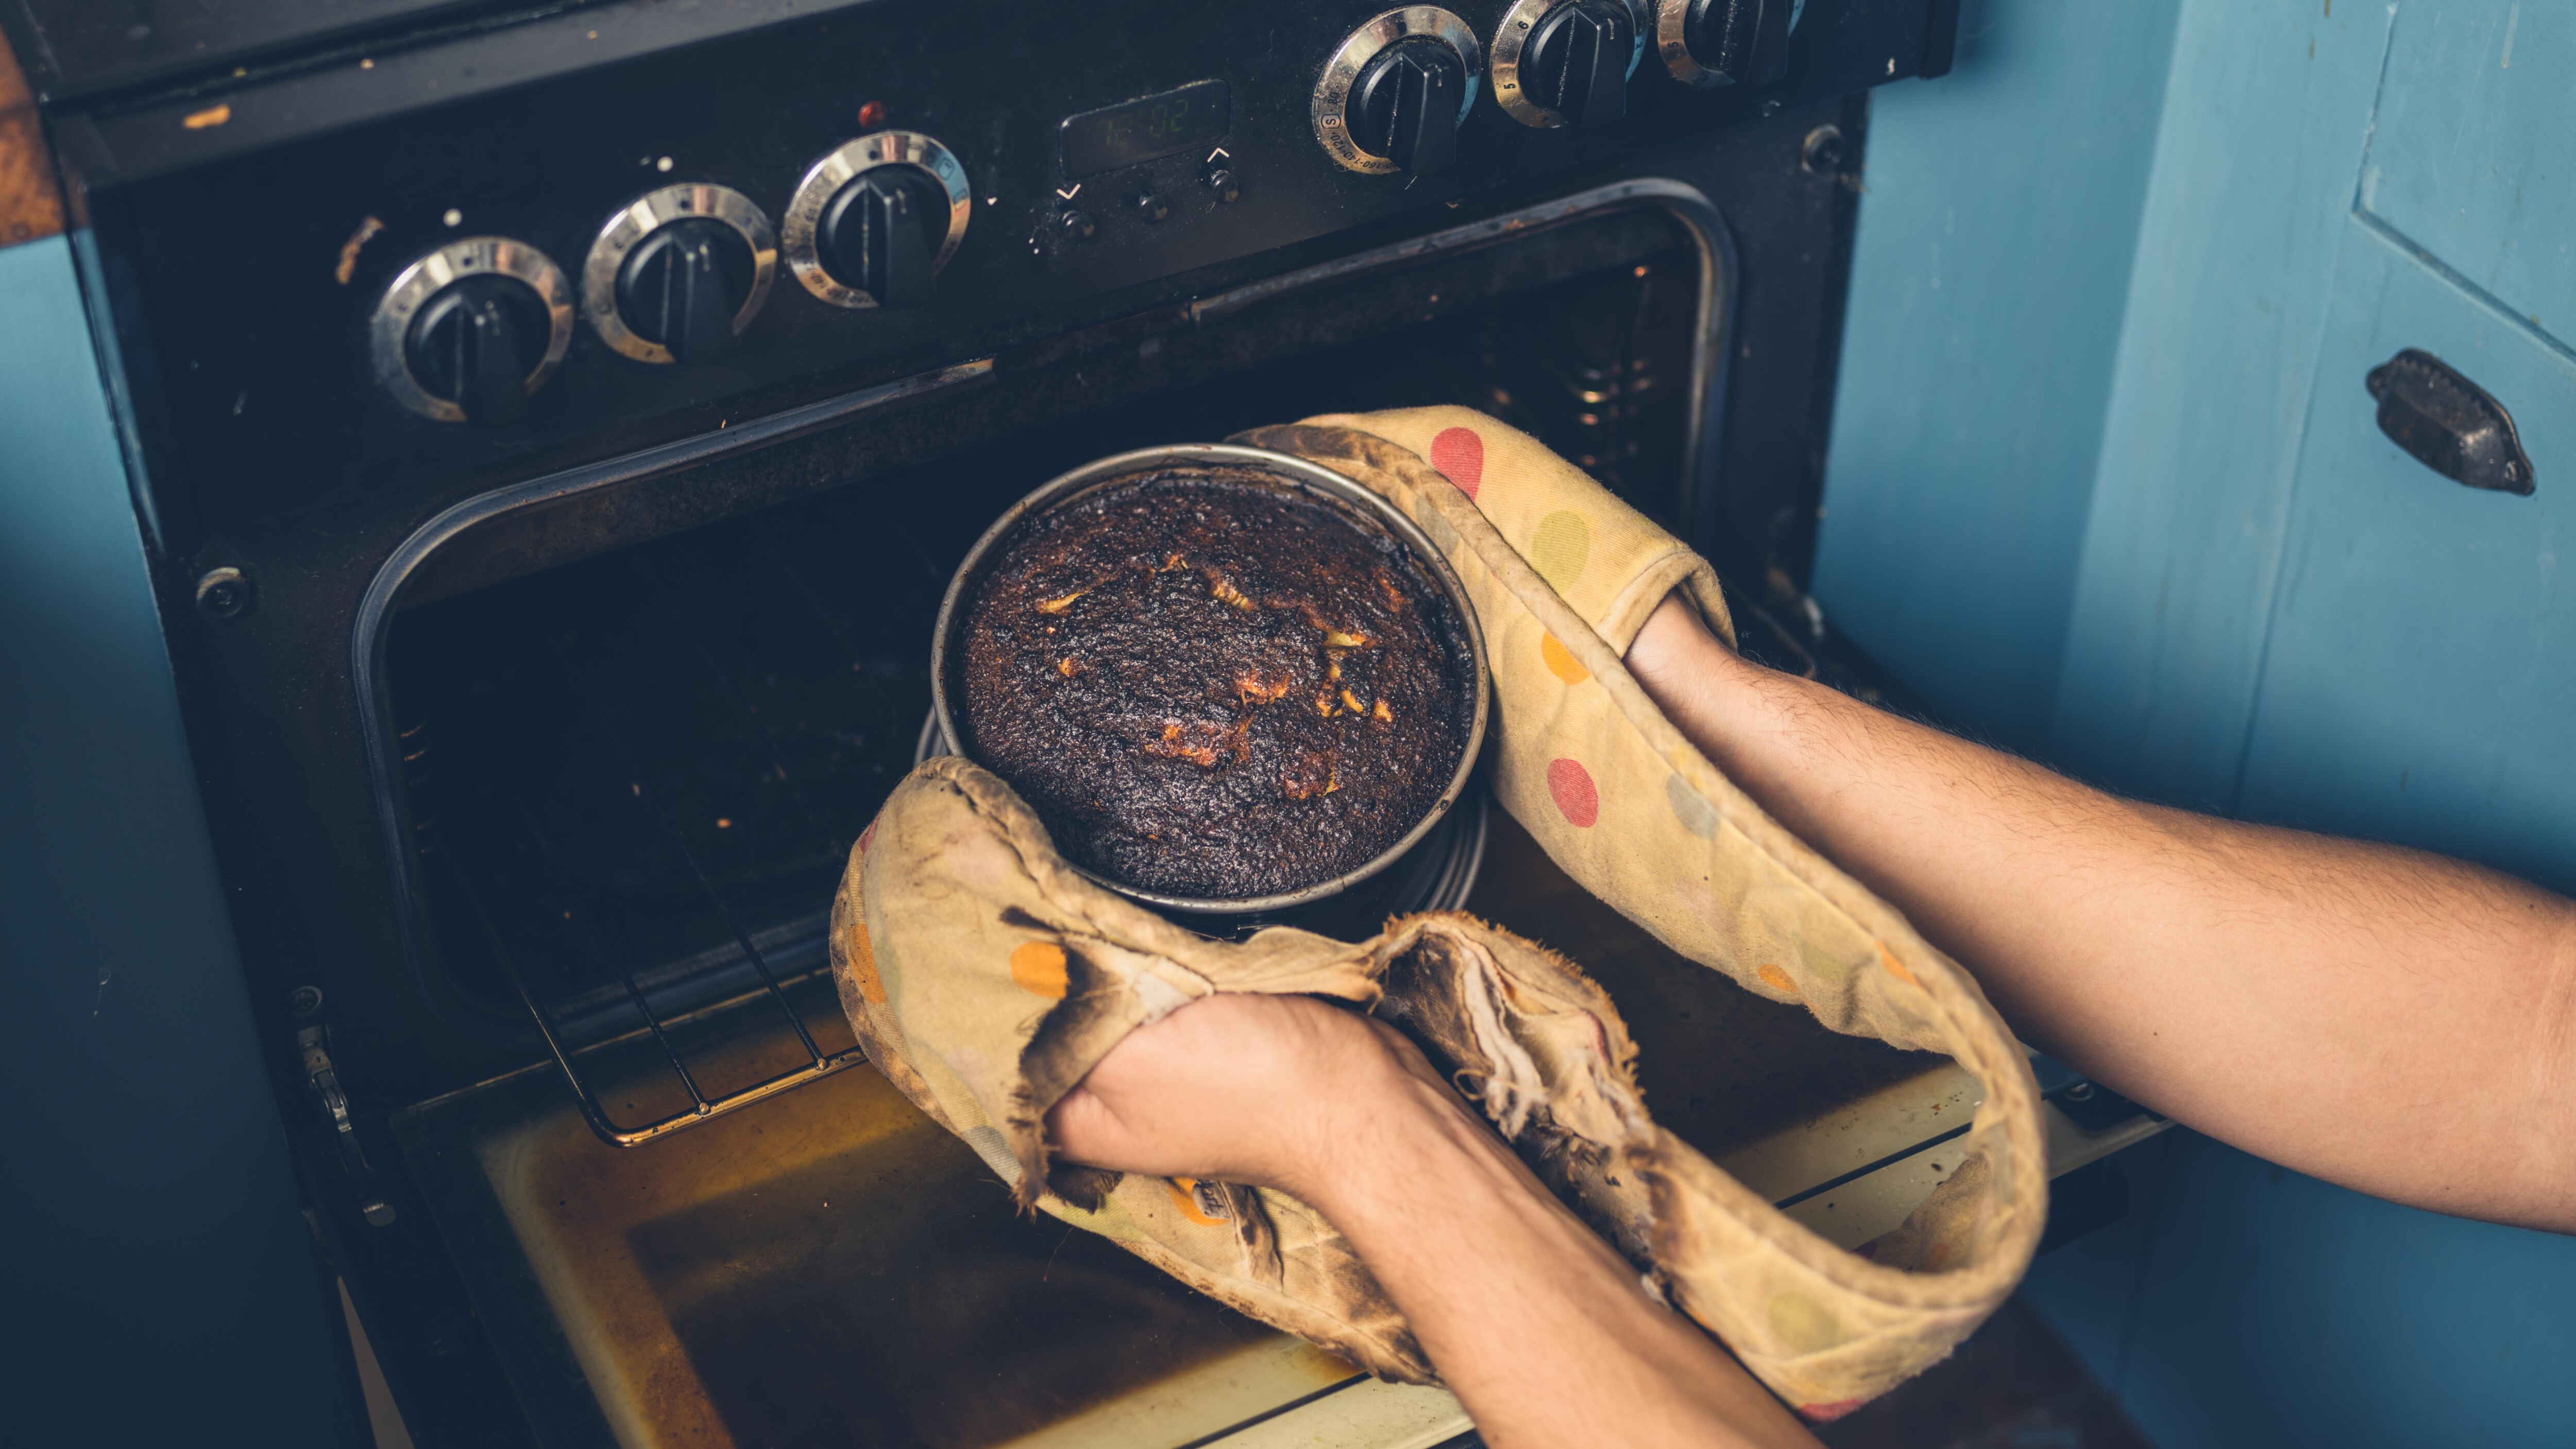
{"points": [[1038, 968], [860, 954], [1560, 660], [1822, 965], [1185, 1195], [1894, 967], [1803, 1325], [1560, 548], [1777, 979]]}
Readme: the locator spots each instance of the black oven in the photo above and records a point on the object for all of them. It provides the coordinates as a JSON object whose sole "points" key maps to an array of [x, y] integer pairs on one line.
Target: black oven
{"points": [[553, 427]]}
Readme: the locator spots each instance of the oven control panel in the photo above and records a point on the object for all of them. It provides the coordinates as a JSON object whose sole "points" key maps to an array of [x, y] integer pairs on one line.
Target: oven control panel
{"points": [[504, 250]]}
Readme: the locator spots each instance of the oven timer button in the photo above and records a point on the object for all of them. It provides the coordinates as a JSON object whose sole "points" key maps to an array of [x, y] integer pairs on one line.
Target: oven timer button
{"points": [[469, 331], [875, 219], [677, 274]]}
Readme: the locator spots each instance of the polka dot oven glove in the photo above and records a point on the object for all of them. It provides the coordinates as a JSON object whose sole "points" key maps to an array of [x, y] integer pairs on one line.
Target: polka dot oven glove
{"points": [[1563, 576], [984, 977]]}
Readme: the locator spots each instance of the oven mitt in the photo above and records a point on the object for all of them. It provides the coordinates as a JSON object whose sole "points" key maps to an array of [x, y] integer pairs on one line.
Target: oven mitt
{"points": [[984, 976], [1563, 576]]}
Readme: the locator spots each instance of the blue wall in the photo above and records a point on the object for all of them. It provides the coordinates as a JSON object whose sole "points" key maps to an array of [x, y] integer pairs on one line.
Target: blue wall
{"points": [[2263, 133], [2242, 1304], [1988, 282], [159, 1282], [2117, 280]]}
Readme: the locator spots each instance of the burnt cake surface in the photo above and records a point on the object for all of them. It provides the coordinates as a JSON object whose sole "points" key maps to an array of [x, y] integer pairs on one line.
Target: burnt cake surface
{"points": [[1209, 687]]}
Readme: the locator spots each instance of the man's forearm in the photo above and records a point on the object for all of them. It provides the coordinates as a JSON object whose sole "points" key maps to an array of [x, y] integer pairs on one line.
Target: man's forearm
{"points": [[1464, 1239], [2293, 994]]}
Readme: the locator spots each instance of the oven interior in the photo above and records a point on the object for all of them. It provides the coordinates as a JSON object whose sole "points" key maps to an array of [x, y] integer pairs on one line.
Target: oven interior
{"points": [[632, 781]]}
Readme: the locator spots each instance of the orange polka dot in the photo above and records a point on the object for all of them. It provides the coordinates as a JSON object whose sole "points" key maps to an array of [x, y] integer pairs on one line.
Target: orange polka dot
{"points": [[1577, 798], [1185, 1195], [861, 956], [1460, 456], [1037, 967], [1894, 967], [1560, 660], [1777, 979]]}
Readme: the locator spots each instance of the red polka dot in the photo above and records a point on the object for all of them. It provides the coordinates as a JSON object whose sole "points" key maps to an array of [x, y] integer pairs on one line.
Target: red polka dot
{"points": [[1827, 1413], [1460, 456], [1576, 797], [867, 837]]}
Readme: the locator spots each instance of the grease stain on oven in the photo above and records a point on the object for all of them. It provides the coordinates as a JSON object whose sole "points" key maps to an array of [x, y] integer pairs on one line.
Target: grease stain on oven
{"points": [[919, 1308]]}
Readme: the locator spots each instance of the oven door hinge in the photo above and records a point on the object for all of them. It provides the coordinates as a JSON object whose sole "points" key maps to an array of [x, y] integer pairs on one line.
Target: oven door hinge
{"points": [[313, 1041]]}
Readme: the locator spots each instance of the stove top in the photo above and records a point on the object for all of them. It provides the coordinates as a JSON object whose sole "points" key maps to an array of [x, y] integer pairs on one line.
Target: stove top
{"points": [[85, 47]]}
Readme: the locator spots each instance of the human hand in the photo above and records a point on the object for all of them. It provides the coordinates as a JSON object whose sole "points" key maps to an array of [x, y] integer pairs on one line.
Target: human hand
{"points": [[1538, 1325], [1676, 639], [1261, 1090], [1684, 668]]}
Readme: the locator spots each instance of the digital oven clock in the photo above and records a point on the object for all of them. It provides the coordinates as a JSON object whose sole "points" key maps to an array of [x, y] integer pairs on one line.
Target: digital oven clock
{"points": [[1145, 128]]}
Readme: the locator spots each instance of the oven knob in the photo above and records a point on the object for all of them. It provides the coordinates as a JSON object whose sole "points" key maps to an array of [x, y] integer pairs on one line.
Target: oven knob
{"points": [[880, 233], [875, 220], [1725, 42], [467, 332], [676, 275], [1405, 106], [1393, 95], [1565, 64], [682, 287]]}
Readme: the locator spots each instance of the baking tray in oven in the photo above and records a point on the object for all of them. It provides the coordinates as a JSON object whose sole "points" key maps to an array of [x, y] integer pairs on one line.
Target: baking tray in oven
{"points": [[833, 1269]]}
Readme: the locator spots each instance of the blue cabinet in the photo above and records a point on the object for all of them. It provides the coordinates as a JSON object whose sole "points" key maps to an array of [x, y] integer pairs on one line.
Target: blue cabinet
{"points": [[2270, 609], [2418, 680], [161, 1282]]}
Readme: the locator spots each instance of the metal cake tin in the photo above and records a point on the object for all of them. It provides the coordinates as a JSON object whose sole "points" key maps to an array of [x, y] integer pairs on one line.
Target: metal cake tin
{"points": [[1288, 474]]}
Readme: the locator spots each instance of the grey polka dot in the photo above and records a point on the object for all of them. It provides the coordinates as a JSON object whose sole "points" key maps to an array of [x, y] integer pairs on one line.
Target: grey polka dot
{"points": [[1690, 807], [1437, 529], [990, 1146]]}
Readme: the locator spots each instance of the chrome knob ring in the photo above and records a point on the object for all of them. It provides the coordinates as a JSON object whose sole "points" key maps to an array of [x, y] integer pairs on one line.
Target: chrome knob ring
{"points": [[838, 168], [389, 328], [649, 213]]}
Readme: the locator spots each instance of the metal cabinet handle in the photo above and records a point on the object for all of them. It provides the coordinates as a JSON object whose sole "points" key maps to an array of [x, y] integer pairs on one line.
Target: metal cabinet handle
{"points": [[2450, 424]]}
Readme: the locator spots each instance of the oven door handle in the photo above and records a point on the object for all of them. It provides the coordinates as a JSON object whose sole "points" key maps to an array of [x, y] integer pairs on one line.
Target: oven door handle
{"points": [[324, 1078]]}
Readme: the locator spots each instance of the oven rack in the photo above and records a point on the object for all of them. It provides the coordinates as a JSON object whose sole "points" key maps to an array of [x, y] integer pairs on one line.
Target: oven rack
{"points": [[571, 1039], [660, 1026]]}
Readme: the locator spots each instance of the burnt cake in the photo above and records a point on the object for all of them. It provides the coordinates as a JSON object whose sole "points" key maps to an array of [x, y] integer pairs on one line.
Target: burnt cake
{"points": [[1209, 687]]}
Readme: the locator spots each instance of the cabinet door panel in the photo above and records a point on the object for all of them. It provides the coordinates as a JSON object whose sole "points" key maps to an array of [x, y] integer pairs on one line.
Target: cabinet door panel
{"points": [[2469, 157], [2419, 683]]}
